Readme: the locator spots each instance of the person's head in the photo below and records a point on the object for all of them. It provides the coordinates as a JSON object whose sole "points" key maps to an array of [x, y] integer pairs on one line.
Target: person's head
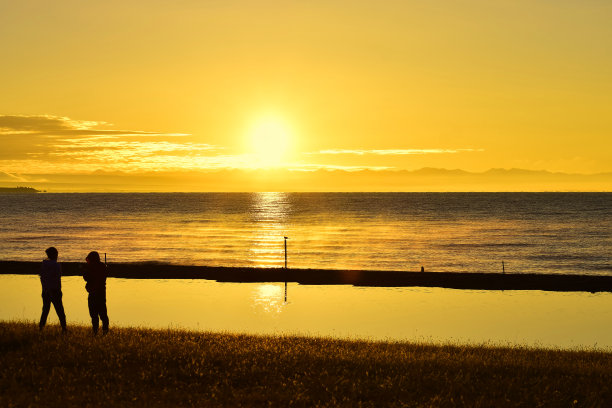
{"points": [[93, 257], [51, 253]]}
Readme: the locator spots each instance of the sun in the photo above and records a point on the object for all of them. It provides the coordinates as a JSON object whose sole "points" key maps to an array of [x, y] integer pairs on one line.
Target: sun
{"points": [[270, 139]]}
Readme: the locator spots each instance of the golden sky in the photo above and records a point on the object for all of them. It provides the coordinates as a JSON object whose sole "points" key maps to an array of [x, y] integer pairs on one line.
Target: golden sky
{"points": [[143, 86]]}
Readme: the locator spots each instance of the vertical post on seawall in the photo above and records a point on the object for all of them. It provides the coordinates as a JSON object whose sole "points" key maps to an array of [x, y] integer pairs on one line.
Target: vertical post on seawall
{"points": [[503, 267], [286, 238], [105, 258]]}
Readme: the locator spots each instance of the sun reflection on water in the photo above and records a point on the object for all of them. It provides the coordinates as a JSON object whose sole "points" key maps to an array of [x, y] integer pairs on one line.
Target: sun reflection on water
{"points": [[269, 298], [269, 211]]}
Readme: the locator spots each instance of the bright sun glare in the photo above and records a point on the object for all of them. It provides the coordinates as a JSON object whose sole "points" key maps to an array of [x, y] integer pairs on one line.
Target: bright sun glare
{"points": [[270, 139]]}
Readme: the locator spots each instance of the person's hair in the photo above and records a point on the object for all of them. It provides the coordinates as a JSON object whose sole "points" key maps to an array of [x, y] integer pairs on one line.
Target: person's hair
{"points": [[51, 253], [93, 256]]}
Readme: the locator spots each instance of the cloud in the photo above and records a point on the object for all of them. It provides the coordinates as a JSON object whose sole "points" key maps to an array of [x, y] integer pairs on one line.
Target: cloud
{"points": [[4, 177], [46, 144], [393, 151], [315, 167], [52, 144], [60, 126], [23, 136], [88, 147], [24, 124]]}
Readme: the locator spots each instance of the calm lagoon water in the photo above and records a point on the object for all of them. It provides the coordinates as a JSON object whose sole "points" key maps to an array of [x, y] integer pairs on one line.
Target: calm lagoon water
{"points": [[564, 233], [535, 318]]}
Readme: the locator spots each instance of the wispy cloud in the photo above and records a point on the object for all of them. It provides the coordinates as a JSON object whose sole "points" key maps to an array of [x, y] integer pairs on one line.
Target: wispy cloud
{"points": [[46, 143], [60, 126], [315, 167], [398, 152], [393, 151], [91, 148], [4, 177]]}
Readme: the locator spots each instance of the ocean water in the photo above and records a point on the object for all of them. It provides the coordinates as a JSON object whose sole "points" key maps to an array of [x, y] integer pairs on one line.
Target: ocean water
{"points": [[559, 233]]}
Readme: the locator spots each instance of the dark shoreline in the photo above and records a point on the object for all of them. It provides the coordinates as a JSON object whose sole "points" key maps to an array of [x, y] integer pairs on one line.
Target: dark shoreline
{"points": [[451, 280], [18, 190]]}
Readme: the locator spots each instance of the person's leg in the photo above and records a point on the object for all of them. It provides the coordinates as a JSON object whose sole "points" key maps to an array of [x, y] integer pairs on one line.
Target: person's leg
{"points": [[45, 310], [103, 313], [56, 298], [93, 312]]}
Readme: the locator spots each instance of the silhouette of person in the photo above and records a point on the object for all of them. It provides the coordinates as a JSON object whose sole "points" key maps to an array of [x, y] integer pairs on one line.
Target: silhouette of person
{"points": [[95, 276], [51, 281]]}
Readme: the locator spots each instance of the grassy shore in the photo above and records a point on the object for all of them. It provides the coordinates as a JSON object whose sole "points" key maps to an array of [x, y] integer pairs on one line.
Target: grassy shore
{"points": [[143, 367]]}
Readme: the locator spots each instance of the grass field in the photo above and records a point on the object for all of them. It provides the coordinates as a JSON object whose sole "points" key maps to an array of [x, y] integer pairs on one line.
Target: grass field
{"points": [[143, 367]]}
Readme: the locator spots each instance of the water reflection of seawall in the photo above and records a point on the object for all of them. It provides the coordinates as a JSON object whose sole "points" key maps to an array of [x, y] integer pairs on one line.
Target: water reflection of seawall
{"points": [[269, 213]]}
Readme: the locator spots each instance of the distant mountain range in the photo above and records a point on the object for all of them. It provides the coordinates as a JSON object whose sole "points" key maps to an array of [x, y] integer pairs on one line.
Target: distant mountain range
{"points": [[425, 179], [500, 172]]}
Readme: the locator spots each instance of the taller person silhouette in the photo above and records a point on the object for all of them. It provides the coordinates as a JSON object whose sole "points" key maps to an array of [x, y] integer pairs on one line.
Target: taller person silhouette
{"points": [[51, 281]]}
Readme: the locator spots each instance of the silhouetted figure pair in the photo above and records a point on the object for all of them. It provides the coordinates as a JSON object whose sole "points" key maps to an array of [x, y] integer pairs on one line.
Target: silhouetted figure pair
{"points": [[51, 281], [95, 276]]}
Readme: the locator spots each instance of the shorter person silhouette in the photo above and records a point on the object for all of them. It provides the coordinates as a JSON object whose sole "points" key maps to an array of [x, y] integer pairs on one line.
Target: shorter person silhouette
{"points": [[95, 276], [51, 281]]}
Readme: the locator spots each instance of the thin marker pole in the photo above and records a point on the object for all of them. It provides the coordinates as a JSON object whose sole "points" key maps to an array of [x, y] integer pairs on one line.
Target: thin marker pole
{"points": [[503, 267], [286, 238], [105, 258]]}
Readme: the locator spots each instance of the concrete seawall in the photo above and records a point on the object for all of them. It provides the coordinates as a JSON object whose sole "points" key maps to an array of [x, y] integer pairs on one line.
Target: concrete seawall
{"points": [[454, 280]]}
